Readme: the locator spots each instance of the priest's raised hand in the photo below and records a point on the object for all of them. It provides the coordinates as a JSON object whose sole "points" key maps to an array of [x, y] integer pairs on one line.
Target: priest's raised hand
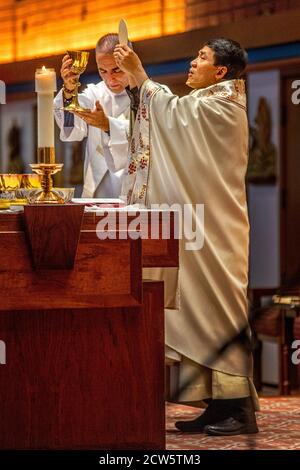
{"points": [[128, 61]]}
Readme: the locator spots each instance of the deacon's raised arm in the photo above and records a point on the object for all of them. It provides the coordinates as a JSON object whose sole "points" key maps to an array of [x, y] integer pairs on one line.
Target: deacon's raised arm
{"points": [[128, 61]]}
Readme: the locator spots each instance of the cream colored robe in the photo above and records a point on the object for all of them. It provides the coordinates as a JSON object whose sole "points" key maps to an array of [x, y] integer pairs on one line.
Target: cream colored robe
{"points": [[197, 154]]}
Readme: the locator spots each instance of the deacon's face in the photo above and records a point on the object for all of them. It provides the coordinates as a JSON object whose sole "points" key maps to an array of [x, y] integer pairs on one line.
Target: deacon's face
{"points": [[114, 78], [203, 72]]}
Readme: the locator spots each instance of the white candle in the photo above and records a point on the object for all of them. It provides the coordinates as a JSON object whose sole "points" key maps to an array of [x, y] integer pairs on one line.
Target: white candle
{"points": [[45, 86]]}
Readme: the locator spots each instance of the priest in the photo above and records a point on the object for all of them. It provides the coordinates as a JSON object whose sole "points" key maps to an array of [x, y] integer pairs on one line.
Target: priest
{"points": [[194, 150]]}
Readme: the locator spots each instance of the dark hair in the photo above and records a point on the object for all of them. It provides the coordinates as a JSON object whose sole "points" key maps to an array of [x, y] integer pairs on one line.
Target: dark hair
{"points": [[229, 53], [107, 43]]}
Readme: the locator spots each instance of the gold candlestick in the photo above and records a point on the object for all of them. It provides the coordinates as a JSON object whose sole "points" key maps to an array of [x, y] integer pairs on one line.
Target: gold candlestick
{"points": [[46, 167]]}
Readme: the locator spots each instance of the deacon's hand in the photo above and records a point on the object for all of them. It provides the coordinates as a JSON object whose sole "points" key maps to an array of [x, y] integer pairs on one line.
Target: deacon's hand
{"points": [[70, 78], [95, 118]]}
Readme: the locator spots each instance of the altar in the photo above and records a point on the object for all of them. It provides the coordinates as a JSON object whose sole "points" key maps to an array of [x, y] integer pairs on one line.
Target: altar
{"points": [[83, 333]]}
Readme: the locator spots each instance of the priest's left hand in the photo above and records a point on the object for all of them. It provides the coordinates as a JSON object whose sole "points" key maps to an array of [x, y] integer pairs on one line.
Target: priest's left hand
{"points": [[96, 118]]}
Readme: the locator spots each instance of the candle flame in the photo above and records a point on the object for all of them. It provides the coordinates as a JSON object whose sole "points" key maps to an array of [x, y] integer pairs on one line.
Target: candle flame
{"points": [[44, 68]]}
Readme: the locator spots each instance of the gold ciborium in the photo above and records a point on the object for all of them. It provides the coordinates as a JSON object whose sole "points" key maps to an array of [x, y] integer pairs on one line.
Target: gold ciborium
{"points": [[10, 182], [80, 60], [9, 185], [30, 181]]}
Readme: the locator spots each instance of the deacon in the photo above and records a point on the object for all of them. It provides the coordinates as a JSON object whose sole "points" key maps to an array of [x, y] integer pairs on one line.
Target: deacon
{"points": [[196, 153], [106, 127]]}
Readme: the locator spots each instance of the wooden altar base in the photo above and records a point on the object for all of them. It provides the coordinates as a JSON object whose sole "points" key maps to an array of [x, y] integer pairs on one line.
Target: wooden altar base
{"points": [[90, 379]]}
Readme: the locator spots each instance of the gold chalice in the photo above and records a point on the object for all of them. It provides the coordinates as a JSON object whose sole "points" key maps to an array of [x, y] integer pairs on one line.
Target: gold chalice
{"points": [[80, 60]]}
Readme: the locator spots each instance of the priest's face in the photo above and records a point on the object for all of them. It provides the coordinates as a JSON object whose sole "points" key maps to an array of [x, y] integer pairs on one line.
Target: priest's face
{"points": [[203, 72], [115, 79]]}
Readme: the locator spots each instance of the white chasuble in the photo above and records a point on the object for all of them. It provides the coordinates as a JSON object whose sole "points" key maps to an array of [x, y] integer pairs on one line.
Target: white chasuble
{"points": [[193, 151]]}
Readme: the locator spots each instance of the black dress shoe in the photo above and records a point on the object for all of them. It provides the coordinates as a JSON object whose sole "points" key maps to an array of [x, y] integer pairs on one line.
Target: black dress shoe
{"points": [[231, 427], [241, 410], [212, 414], [239, 420], [195, 425]]}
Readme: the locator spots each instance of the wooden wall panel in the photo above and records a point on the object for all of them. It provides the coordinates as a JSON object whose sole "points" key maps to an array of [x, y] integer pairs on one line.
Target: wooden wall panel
{"points": [[205, 13], [41, 28], [34, 28]]}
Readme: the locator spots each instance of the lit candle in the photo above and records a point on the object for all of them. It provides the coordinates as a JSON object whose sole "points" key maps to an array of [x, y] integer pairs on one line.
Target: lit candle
{"points": [[45, 86]]}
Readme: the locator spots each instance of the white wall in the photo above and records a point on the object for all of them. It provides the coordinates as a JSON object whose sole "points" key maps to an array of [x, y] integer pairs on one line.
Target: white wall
{"points": [[264, 203], [263, 200], [23, 113]]}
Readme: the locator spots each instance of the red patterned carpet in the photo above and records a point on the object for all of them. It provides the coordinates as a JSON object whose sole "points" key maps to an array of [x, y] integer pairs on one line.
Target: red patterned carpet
{"points": [[278, 421]]}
